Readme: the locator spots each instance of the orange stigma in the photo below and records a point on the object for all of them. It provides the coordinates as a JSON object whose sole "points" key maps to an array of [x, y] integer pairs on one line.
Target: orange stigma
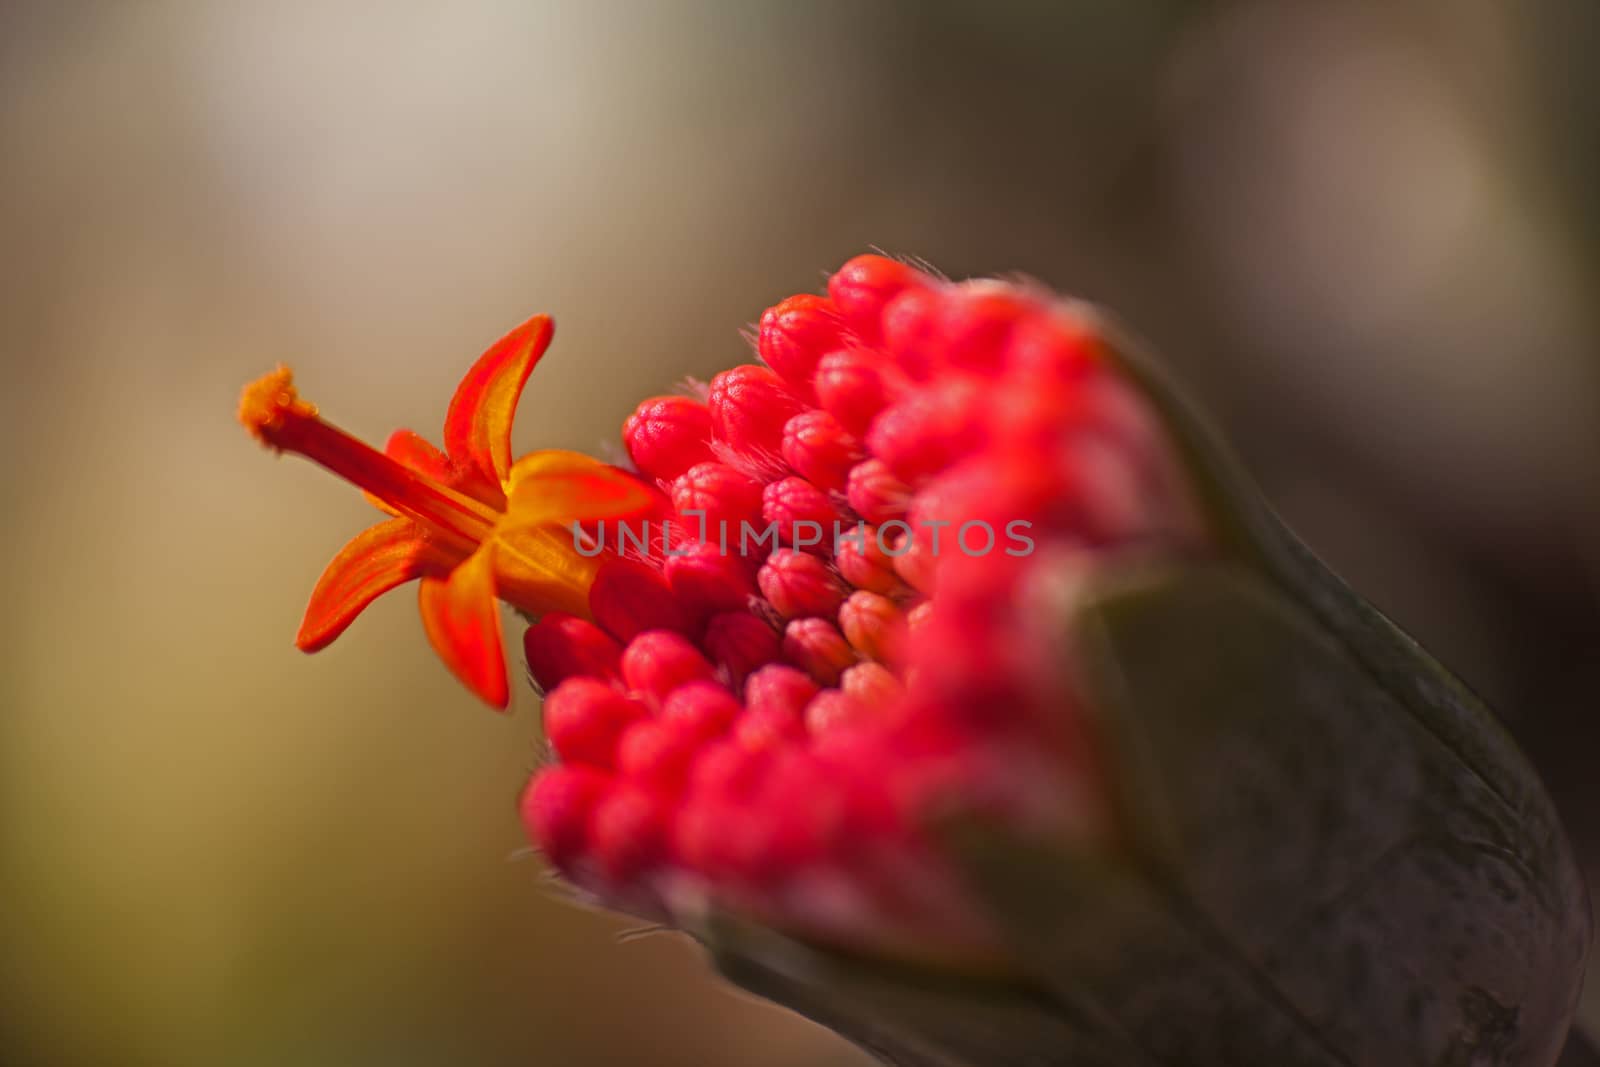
{"points": [[272, 410], [266, 402]]}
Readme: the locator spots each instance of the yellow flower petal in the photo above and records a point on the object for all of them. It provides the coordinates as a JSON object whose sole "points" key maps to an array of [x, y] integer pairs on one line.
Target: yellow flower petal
{"points": [[561, 487]]}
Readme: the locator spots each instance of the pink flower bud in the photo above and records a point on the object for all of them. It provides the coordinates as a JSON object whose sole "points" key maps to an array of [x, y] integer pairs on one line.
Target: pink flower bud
{"points": [[911, 330], [875, 493], [779, 689], [976, 322], [727, 770], [798, 584], [817, 647], [666, 435], [629, 833], [973, 672], [556, 808], [871, 683], [561, 646], [853, 386], [820, 450], [741, 643], [862, 287], [927, 430], [802, 835], [794, 335], [874, 626], [717, 838], [706, 579], [749, 406], [584, 719], [917, 562], [723, 498], [862, 561], [629, 597], [705, 708], [657, 753], [803, 514], [658, 661], [1059, 346], [770, 729], [833, 709], [727, 829]]}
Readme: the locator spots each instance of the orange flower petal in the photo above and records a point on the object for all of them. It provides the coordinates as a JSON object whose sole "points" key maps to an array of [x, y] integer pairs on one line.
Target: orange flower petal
{"points": [[462, 618], [417, 452], [414, 452], [477, 428], [375, 561], [561, 487]]}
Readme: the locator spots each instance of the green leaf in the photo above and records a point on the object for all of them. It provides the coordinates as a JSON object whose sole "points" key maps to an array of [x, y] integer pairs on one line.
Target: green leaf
{"points": [[1251, 533], [1314, 876], [911, 1017]]}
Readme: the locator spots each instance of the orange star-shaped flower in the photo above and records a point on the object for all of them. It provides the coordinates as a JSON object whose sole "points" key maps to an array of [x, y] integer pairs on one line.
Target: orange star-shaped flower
{"points": [[472, 525]]}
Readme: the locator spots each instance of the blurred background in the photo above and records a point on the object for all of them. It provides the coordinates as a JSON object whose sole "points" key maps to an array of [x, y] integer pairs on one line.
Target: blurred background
{"points": [[1366, 235]]}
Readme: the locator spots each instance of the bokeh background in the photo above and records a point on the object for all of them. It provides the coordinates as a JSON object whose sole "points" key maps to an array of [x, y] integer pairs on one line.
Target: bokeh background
{"points": [[1366, 235]]}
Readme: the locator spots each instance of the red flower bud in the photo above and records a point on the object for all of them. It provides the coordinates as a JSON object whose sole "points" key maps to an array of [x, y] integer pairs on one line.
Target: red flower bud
{"points": [[798, 584], [862, 561], [657, 753], [1058, 346], [658, 661], [561, 646], [629, 597], [853, 386], [802, 835], [927, 430], [833, 709], [917, 559], [718, 838], [722, 497], [779, 689], [727, 770], [820, 450], [629, 833], [706, 579], [976, 322], [803, 514], [556, 808], [749, 406], [871, 683], [584, 719], [741, 643], [770, 729], [874, 626], [817, 647], [911, 330], [794, 335], [705, 708], [875, 493], [862, 287], [666, 435]]}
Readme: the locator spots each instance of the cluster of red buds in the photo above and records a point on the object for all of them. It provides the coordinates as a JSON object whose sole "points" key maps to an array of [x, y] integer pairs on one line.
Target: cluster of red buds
{"points": [[847, 616], [770, 725]]}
